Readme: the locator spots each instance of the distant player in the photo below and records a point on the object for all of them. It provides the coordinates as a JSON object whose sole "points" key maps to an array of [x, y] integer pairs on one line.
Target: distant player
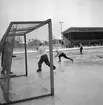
{"points": [[62, 54], [43, 58], [81, 48]]}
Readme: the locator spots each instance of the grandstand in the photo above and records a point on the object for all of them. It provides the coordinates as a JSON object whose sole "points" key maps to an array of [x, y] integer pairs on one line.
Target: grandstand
{"points": [[86, 35]]}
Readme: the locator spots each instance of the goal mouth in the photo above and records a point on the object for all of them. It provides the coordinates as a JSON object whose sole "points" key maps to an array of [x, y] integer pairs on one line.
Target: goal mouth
{"points": [[26, 86]]}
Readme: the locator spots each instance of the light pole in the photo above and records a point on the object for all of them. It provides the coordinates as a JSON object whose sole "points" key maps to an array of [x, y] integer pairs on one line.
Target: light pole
{"points": [[61, 25], [61, 30]]}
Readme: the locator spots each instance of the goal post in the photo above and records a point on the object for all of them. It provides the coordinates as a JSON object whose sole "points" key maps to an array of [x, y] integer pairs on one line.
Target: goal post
{"points": [[22, 28]]}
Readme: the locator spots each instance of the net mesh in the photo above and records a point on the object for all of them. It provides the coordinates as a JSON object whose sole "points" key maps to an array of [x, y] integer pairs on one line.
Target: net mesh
{"points": [[21, 29], [36, 84]]}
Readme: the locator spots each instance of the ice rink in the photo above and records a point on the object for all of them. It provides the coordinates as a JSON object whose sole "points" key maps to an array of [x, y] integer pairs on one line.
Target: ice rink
{"points": [[77, 83]]}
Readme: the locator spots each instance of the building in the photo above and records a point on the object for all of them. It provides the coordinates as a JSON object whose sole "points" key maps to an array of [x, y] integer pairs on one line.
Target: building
{"points": [[85, 35]]}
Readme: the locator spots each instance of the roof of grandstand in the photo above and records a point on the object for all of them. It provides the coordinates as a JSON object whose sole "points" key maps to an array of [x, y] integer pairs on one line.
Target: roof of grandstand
{"points": [[83, 29]]}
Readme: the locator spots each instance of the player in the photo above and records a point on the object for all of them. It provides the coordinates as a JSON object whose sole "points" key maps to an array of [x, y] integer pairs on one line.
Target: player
{"points": [[62, 54], [43, 58], [81, 48]]}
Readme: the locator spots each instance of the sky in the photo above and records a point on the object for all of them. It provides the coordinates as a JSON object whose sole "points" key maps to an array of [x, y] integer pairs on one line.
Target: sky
{"points": [[73, 13]]}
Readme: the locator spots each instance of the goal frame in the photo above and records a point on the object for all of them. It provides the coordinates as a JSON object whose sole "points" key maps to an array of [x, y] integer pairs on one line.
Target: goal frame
{"points": [[40, 24]]}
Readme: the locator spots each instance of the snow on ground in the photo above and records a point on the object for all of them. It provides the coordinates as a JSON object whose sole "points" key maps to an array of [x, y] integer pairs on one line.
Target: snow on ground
{"points": [[77, 83]]}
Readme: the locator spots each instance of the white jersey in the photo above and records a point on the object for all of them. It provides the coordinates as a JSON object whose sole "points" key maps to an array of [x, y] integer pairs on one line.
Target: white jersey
{"points": [[41, 50], [58, 53]]}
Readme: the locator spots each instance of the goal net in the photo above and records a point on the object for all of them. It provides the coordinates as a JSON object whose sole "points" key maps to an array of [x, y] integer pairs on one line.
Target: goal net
{"points": [[19, 79]]}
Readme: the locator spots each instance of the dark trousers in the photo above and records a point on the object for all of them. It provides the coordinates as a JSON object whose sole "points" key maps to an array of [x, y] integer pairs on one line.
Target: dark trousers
{"points": [[64, 55], [44, 58], [81, 49]]}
